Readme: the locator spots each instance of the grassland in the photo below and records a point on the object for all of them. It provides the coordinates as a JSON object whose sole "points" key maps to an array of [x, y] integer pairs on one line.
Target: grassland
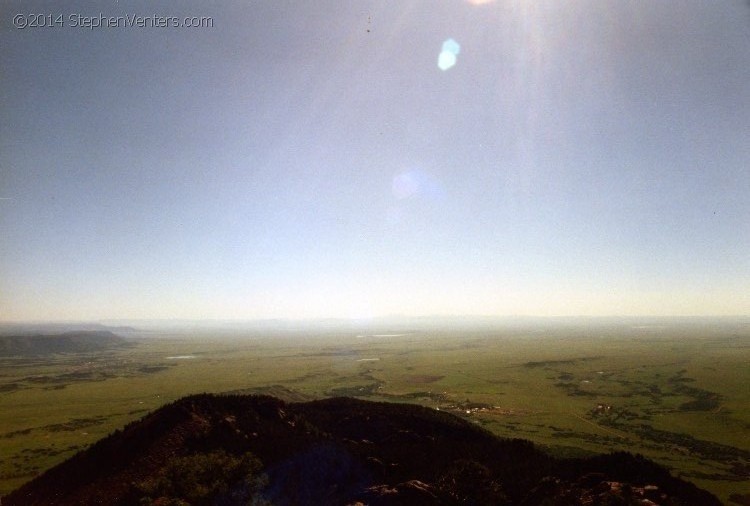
{"points": [[676, 393]]}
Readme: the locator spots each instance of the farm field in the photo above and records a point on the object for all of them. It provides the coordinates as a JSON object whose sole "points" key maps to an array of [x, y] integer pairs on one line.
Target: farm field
{"points": [[675, 393]]}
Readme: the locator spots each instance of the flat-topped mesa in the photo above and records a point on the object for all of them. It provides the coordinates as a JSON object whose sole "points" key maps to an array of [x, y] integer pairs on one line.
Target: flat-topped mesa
{"points": [[82, 341]]}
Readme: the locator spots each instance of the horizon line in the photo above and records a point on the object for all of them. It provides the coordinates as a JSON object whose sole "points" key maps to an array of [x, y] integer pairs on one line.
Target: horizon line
{"points": [[374, 318]]}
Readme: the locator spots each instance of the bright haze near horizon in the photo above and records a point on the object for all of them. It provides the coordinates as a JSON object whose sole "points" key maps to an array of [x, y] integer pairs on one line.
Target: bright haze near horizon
{"points": [[311, 159]]}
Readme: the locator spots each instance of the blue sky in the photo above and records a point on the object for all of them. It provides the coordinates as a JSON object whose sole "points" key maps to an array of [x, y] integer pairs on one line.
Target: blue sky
{"points": [[310, 159]]}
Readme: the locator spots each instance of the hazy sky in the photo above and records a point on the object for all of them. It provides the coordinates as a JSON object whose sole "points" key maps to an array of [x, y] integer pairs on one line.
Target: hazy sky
{"points": [[306, 159]]}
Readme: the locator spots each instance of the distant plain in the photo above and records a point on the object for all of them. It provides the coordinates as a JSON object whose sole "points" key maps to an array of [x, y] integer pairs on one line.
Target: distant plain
{"points": [[676, 392]]}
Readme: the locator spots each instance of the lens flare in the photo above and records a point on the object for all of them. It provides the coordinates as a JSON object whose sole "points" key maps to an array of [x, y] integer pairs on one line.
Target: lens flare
{"points": [[448, 54]]}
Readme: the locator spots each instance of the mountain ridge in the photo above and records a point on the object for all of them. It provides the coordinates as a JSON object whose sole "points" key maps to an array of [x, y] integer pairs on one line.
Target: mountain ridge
{"points": [[78, 341]]}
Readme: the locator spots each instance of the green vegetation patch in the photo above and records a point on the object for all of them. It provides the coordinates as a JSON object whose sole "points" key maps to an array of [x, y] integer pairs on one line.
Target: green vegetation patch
{"points": [[74, 424], [206, 478]]}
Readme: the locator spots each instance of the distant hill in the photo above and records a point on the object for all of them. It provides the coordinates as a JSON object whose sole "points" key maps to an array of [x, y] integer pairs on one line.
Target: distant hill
{"points": [[29, 329], [67, 342], [236, 449]]}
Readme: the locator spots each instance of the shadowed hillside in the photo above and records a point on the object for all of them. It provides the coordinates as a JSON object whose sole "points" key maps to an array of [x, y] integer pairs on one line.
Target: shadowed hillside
{"points": [[260, 450], [82, 341]]}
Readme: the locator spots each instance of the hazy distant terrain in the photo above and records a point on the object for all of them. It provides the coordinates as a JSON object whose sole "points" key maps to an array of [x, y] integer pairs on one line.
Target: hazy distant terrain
{"points": [[673, 390], [84, 341]]}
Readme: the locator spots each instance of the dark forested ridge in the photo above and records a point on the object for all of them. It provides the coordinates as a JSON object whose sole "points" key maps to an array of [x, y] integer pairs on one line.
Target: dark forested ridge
{"points": [[237, 449], [80, 341]]}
